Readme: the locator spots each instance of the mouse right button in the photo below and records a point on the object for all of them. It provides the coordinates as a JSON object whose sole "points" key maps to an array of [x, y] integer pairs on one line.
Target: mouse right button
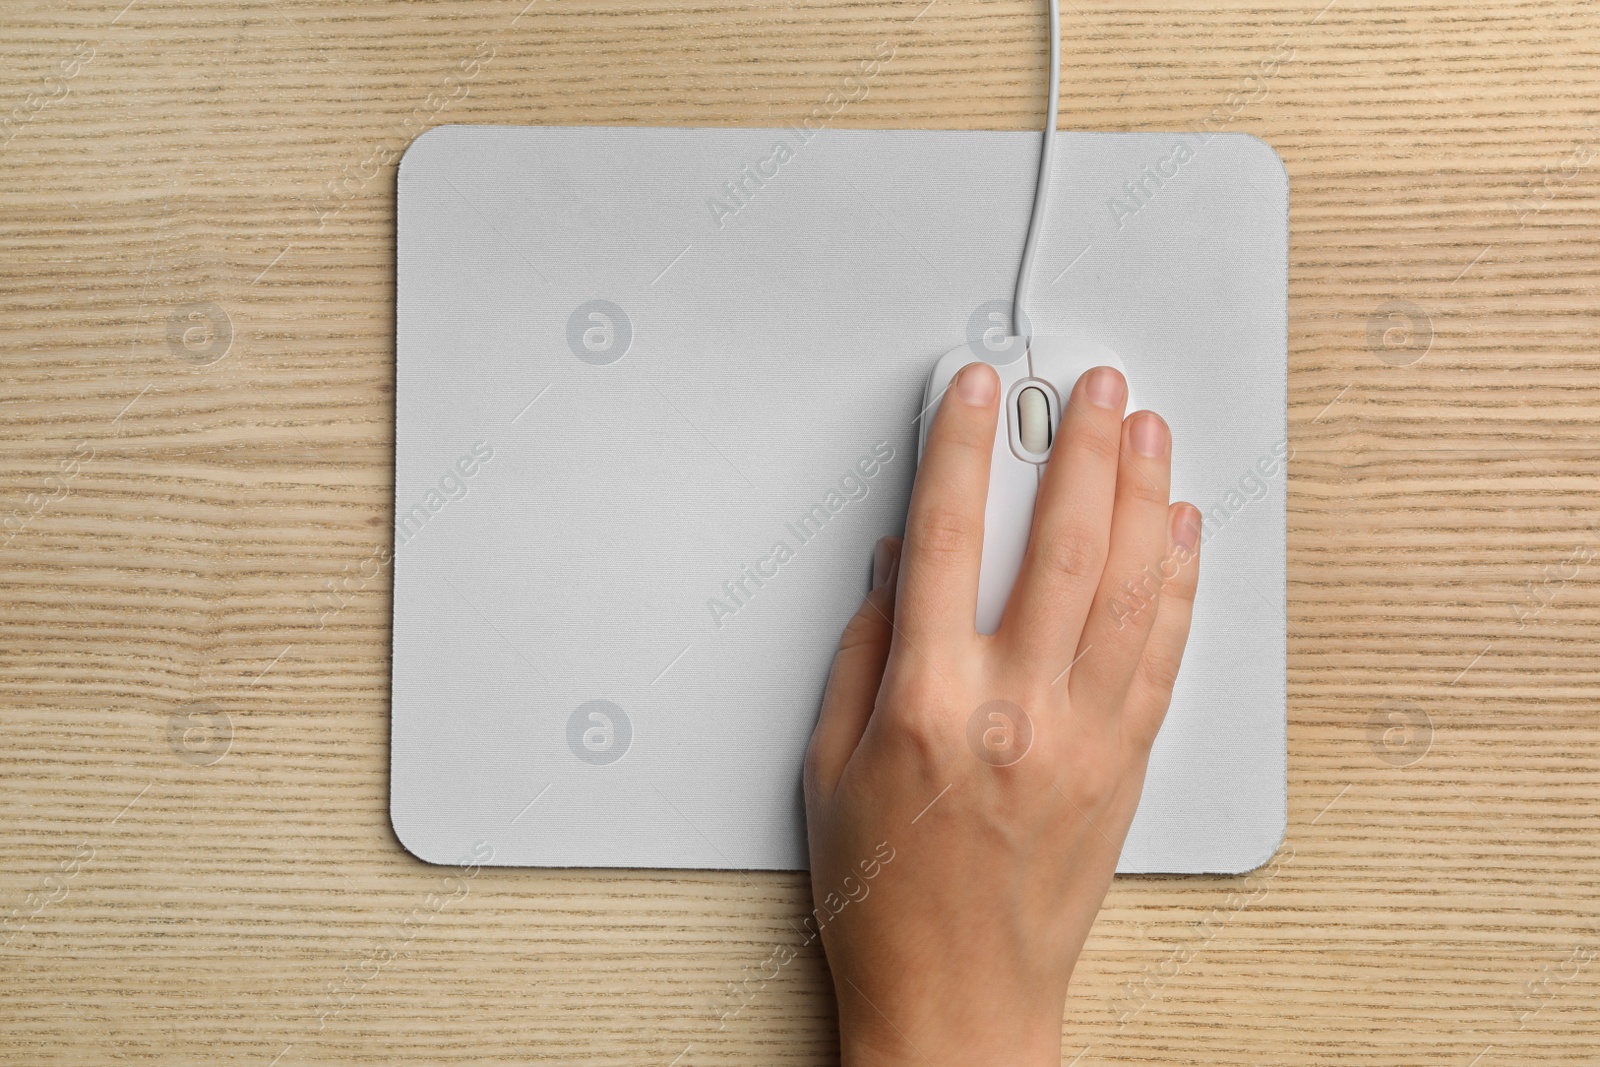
{"points": [[1061, 359]]}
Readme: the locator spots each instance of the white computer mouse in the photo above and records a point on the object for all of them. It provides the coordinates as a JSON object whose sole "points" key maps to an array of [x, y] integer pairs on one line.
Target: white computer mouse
{"points": [[1035, 382]]}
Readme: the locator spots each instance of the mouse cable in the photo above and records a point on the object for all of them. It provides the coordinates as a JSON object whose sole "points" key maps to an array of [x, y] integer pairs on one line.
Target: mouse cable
{"points": [[1041, 188]]}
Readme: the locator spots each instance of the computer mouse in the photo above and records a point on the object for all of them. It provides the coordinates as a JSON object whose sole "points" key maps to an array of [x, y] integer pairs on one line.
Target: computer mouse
{"points": [[1037, 374]]}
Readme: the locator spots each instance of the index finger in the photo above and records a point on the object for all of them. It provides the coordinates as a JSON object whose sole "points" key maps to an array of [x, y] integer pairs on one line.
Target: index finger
{"points": [[938, 598]]}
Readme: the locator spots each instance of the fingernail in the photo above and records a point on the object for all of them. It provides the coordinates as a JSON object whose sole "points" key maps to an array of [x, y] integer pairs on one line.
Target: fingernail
{"points": [[882, 556], [1186, 528], [1148, 434], [977, 384], [1106, 388]]}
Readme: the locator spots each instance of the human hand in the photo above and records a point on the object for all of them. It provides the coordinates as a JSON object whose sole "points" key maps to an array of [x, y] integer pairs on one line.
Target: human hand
{"points": [[967, 796]]}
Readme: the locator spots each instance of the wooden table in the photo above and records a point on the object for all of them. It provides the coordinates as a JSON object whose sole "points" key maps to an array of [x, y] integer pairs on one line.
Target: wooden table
{"points": [[197, 210]]}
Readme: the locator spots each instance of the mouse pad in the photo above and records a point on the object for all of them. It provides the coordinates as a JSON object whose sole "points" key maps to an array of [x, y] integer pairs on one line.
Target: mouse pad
{"points": [[657, 396]]}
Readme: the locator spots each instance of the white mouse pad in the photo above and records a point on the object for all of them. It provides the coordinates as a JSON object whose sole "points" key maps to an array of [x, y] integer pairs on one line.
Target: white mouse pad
{"points": [[657, 393]]}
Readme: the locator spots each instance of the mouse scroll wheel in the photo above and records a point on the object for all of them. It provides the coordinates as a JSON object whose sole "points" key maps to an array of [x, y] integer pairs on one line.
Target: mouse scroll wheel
{"points": [[1033, 420]]}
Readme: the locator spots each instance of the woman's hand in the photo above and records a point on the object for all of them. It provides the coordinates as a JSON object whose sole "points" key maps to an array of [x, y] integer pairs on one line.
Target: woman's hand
{"points": [[967, 796]]}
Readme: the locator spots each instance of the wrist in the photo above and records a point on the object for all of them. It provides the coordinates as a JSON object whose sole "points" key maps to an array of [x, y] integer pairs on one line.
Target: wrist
{"points": [[1010, 1041]]}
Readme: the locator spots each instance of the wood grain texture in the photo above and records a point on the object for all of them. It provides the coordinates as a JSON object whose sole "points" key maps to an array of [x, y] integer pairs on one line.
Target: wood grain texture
{"points": [[233, 894]]}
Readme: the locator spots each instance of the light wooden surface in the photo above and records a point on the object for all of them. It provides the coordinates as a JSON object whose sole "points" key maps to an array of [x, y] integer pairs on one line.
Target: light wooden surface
{"points": [[172, 900]]}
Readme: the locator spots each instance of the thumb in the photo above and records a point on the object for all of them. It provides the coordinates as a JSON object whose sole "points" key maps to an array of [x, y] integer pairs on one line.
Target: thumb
{"points": [[857, 672]]}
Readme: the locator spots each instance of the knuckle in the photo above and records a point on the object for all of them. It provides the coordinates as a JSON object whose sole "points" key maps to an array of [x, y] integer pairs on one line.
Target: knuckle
{"points": [[1132, 608], [1142, 729], [1141, 489], [1158, 672], [944, 531], [973, 434], [1180, 590], [966, 433], [913, 720], [1180, 586], [864, 630], [1088, 783], [1142, 587], [1094, 442], [1070, 551], [916, 736], [962, 424]]}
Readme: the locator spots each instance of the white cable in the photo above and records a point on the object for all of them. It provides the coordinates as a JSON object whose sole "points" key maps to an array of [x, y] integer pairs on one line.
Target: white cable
{"points": [[1041, 189]]}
